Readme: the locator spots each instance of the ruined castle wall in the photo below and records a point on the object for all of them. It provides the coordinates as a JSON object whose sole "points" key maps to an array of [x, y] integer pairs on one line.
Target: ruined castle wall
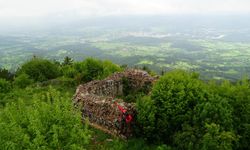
{"points": [[108, 88], [96, 98]]}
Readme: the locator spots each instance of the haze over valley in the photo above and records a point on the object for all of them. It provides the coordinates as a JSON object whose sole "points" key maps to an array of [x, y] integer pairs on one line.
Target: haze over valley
{"points": [[217, 46]]}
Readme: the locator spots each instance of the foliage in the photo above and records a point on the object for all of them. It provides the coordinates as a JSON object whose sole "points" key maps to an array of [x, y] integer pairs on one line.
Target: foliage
{"points": [[164, 147], [67, 61], [146, 117], [5, 86], [67, 82], [215, 139], [151, 72], [93, 69], [238, 97], [40, 69], [175, 95], [90, 69], [23, 81], [111, 143], [180, 108], [109, 68], [131, 94], [49, 122], [69, 71], [5, 74]]}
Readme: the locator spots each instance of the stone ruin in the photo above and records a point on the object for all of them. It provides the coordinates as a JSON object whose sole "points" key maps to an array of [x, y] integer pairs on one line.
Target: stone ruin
{"points": [[96, 99]]}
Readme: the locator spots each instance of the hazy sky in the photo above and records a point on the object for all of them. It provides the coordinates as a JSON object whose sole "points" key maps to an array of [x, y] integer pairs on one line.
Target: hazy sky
{"points": [[35, 8]]}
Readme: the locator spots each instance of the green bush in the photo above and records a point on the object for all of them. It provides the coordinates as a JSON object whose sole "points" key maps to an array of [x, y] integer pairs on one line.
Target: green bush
{"points": [[93, 69], [50, 122], [69, 71], [22, 81], [180, 107], [40, 69], [130, 93], [109, 68], [5, 86], [146, 117], [175, 96], [89, 69], [238, 96], [216, 139], [5, 74], [240, 101]]}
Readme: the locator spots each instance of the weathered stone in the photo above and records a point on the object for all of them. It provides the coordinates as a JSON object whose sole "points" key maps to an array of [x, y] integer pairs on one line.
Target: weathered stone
{"points": [[96, 98]]}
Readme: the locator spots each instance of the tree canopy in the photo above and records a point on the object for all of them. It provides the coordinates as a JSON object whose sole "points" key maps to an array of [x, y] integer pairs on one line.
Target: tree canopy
{"points": [[40, 69]]}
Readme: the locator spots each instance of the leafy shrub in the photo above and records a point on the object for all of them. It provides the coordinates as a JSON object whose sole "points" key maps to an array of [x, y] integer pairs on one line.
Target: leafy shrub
{"points": [[146, 117], [163, 147], [239, 99], [5, 74], [175, 96], [130, 93], [69, 71], [93, 69], [214, 138], [90, 69], [40, 69], [179, 109], [5, 86], [49, 122], [109, 68], [22, 81]]}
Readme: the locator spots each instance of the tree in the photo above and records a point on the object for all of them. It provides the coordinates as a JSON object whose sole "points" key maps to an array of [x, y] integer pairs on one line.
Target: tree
{"points": [[216, 139], [67, 61], [89, 69], [5, 74], [40, 69], [93, 69], [175, 96], [182, 106], [239, 99]]}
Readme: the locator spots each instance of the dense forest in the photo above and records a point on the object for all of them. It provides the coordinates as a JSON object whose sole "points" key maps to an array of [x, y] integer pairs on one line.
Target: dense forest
{"points": [[181, 111]]}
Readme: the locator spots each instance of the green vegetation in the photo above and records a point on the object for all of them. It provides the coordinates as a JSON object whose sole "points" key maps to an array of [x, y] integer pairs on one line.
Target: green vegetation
{"points": [[23, 80], [40, 69], [5, 86], [180, 111], [213, 58], [5, 74], [49, 122], [130, 94], [89, 69], [186, 113]]}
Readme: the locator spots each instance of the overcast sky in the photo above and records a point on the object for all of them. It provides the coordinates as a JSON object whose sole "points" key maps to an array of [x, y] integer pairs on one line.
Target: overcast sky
{"points": [[35, 8]]}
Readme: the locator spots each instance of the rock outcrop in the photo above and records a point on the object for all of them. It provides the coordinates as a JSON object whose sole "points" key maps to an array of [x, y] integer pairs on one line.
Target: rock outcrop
{"points": [[98, 102]]}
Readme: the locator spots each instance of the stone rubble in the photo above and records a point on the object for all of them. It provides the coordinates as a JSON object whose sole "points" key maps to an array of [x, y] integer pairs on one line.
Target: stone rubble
{"points": [[96, 98]]}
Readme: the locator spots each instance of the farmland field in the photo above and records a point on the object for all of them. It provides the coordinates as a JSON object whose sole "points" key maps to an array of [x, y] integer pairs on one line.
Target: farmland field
{"points": [[214, 53]]}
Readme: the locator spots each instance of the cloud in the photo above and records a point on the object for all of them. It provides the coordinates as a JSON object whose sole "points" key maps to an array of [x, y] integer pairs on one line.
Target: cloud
{"points": [[10, 8]]}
